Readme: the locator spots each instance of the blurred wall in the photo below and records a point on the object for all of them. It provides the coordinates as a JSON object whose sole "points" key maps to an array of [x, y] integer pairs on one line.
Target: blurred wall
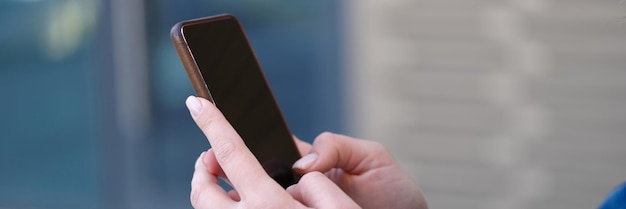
{"points": [[494, 104]]}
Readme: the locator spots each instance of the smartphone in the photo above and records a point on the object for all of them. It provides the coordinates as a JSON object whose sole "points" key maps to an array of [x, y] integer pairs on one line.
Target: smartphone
{"points": [[222, 68]]}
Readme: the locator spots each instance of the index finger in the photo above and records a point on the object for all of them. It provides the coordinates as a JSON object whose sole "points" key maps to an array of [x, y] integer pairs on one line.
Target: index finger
{"points": [[238, 163]]}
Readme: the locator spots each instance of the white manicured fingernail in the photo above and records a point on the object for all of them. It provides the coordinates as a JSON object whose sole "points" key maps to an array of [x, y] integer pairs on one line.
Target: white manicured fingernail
{"points": [[199, 160], [194, 105], [205, 158], [305, 162]]}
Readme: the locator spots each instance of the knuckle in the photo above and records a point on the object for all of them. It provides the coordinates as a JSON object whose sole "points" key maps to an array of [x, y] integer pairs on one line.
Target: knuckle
{"points": [[326, 139], [225, 151], [377, 145], [205, 120], [379, 155], [325, 136]]}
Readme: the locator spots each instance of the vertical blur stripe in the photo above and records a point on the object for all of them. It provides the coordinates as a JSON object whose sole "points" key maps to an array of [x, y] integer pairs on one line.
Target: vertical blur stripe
{"points": [[131, 67], [132, 101]]}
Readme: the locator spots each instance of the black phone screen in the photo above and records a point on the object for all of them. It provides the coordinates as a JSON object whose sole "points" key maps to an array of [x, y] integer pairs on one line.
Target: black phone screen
{"points": [[239, 89]]}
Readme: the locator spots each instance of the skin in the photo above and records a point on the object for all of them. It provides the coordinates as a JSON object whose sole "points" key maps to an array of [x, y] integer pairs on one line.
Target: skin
{"points": [[253, 188], [338, 172], [362, 169]]}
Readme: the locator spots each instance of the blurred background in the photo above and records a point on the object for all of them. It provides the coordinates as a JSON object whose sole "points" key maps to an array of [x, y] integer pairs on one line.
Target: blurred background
{"points": [[92, 113], [487, 104]]}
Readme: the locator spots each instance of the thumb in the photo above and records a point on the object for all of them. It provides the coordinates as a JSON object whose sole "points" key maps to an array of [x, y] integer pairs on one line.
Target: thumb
{"points": [[317, 191], [352, 155]]}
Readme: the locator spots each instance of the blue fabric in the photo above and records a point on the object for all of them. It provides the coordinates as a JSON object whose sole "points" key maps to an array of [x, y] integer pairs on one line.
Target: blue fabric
{"points": [[616, 200]]}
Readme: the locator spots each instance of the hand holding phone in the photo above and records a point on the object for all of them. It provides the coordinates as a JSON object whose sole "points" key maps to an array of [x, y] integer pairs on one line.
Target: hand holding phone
{"points": [[252, 187]]}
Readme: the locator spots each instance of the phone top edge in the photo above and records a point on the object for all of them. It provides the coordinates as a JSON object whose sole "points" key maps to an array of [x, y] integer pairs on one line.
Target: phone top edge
{"points": [[188, 60], [176, 33], [205, 19]]}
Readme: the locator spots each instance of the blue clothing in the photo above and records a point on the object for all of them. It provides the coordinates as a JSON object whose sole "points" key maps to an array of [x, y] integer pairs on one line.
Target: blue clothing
{"points": [[616, 200]]}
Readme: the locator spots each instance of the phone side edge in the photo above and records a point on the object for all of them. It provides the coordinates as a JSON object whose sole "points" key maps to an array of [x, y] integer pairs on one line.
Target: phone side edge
{"points": [[187, 59]]}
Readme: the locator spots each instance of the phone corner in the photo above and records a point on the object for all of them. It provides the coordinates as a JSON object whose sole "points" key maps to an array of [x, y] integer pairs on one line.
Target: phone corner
{"points": [[176, 33]]}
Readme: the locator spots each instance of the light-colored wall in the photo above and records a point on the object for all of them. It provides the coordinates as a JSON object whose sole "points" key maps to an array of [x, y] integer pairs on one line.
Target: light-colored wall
{"points": [[489, 104]]}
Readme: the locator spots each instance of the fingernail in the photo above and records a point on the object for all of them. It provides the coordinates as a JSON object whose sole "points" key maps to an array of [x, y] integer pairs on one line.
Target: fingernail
{"points": [[305, 162], [194, 105], [206, 158], [200, 158]]}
